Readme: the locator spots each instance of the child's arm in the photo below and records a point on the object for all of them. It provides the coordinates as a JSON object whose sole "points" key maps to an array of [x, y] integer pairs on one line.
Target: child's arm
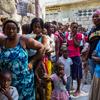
{"points": [[64, 82], [64, 79], [86, 48]]}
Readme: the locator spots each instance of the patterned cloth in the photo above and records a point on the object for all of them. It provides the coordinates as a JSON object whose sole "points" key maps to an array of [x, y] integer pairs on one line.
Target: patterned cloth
{"points": [[59, 95], [59, 92], [16, 60]]}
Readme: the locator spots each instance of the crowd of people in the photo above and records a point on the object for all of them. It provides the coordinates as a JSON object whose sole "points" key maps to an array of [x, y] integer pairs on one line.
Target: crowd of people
{"points": [[42, 62]]}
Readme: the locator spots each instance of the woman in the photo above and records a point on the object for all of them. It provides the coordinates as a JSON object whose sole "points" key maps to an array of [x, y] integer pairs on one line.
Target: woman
{"points": [[93, 38], [36, 32], [95, 90], [14, 57], [36, 28], [73, 40]]}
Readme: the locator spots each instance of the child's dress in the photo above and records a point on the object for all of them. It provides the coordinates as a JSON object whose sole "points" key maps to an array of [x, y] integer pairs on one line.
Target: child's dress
{"points": [[59, 92]]}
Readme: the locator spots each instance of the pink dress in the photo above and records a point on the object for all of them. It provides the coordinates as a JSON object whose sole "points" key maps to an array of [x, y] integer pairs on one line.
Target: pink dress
{"points": [[59, 92]]}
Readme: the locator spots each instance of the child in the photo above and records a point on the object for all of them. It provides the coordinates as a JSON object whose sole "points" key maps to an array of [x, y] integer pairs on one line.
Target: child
{"points": [[40, 83], [59, 80], [67, 65], [84, 56], [7, 92]]}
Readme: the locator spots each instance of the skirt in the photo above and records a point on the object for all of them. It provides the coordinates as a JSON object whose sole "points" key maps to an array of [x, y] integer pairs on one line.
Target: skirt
{"points": [[59, 95], [76, 68], [95, 89]]}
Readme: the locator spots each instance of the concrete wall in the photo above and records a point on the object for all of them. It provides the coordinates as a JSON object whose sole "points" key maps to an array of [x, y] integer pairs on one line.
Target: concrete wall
{"points": [[80, 12], [59, 2]]}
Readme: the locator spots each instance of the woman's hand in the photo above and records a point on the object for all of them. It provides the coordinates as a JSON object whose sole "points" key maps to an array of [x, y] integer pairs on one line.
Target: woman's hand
{"points": [[76, 42], [46, 77], [96, 59], [41, 52]]}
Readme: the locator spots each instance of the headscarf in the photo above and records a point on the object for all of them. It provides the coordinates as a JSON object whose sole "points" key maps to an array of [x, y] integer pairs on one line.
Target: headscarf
{"points": [[97, 12]]}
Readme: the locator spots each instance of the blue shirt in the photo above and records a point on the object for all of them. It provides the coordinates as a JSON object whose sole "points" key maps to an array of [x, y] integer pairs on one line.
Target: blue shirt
{"points": [[97, 69]]}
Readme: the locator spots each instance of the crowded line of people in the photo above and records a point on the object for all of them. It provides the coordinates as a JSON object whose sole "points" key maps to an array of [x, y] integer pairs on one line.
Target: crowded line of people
{"points": [[42, 62]]}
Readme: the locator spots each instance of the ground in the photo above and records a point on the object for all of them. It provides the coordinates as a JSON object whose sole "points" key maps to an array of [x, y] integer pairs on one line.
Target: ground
{"points": [[85, 88]]}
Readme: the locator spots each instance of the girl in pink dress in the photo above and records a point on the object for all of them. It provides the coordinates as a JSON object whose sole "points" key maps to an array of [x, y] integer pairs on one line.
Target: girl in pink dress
{"points": [[59, 80]]}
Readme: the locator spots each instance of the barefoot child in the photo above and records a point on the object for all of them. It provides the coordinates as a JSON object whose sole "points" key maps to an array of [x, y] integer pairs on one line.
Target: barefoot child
{"points": [[7, 92], [59, 80], [67, 66]]}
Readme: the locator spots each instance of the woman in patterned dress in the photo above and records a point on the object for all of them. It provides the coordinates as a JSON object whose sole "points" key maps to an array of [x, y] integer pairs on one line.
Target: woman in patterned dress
{"points": [[14, 57]]}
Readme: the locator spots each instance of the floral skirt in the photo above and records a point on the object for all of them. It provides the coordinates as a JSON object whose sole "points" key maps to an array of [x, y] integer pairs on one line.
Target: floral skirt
{"points": [[95, 89], [59, 95]]}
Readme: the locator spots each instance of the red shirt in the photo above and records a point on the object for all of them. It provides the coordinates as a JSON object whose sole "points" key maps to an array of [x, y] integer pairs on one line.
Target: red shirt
{"points": [[72, 50]]}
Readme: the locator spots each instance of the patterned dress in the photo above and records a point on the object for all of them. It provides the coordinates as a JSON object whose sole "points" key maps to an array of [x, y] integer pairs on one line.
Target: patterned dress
{"points": [[16, 60], [59, 92]]}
